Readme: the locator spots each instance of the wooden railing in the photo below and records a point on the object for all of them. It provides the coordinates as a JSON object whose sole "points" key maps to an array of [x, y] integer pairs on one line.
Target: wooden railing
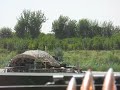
{"points": [[88, 82]]}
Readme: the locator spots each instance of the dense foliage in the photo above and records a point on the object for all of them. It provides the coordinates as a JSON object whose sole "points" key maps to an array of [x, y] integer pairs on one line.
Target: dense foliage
{"points": [[29, 24], [50, 42], [64, 27], [5, 57], [58, 54], [68, 35], [5, 32]]}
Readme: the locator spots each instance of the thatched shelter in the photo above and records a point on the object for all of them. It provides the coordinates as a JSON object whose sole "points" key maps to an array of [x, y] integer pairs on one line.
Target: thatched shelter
{"points": [[35, 58]]}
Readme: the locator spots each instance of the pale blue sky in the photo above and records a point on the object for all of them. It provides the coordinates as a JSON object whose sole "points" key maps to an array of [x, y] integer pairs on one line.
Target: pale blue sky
{"points": [[101, 10]]}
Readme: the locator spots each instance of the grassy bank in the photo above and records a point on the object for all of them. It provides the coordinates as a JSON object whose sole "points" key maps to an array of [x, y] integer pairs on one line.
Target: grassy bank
{"points": [[5, 56], [96, 60]]}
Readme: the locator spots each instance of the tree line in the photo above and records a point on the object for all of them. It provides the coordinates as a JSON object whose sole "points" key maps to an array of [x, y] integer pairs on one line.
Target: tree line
{"points": [[64, 27], [28, 25], [68, 34]]}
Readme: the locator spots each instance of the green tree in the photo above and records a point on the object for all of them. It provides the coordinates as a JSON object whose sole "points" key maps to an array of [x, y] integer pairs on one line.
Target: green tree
{"points": [[116, 30], [95, 29], [107, 29], [70, 29], [58, 26], [5, 32], [83, 28], [64, 27], [29, 24]]}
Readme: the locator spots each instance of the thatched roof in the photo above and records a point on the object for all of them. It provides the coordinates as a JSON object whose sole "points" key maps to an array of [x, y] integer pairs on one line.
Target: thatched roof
{"points": [[37, 55]]}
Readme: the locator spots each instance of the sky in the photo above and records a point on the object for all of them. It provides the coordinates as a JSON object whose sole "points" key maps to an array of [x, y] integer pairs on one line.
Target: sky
{"points": [[100, 10]]}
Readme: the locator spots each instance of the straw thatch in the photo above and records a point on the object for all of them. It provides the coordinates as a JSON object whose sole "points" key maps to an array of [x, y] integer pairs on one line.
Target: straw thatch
{"points": [[38, 56]]}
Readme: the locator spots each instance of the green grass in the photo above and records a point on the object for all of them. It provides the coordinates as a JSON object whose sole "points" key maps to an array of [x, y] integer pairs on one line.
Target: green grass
{"points": [[96, 60], [5, 57], [85, 59]]}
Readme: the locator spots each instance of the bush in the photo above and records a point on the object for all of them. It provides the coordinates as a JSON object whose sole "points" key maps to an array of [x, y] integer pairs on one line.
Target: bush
{"points": [[59, 54]]}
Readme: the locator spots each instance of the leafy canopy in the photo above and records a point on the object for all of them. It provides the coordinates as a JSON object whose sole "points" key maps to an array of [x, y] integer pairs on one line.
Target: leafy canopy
{"points": [[29, 24]]}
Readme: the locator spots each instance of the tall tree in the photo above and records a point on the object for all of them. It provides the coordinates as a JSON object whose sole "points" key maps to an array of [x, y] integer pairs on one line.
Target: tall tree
{"points": [[116, 30], [83, 28], [95, 29], [70, 29], [64, 27], [107, 28], [5, 32], [29, 24], [58, 27]]}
